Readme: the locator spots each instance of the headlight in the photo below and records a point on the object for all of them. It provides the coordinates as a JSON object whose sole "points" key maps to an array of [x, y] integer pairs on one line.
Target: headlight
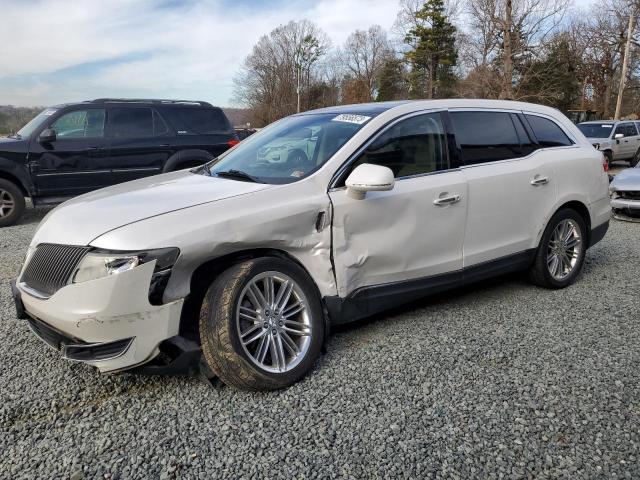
{"points": [[100, 263]]}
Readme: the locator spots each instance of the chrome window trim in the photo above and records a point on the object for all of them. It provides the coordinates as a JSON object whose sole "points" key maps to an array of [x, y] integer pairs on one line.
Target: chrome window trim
{"points": [[338, 173]]}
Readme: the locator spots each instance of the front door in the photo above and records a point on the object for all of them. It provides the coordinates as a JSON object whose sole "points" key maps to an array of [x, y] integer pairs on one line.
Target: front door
{"points": [[75, 162], [626, 146], [412, 232]]}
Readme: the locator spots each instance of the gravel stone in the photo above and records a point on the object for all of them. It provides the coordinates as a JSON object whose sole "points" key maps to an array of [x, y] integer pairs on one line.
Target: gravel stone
{"points": [[497, 380]]}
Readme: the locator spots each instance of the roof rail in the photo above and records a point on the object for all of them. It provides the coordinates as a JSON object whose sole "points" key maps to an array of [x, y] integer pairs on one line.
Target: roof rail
{"points": [[151, 100]]}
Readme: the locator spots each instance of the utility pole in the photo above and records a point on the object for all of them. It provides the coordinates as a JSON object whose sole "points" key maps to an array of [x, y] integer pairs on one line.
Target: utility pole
{"points": [[623, 74]]}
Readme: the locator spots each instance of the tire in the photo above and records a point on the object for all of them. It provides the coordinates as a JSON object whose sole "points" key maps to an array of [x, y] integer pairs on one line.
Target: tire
{"points": [[252, 366], [541, 271], [609, 156], [11, 203], [634, 161]]}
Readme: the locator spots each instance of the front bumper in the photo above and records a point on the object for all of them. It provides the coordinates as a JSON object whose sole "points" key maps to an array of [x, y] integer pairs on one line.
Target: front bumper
{"points": [[626, 209], [108, 323]]}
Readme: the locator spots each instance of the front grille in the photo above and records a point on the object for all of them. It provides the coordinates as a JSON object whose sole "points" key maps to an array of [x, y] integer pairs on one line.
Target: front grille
{"points": [[51, 266], [629, 195]]}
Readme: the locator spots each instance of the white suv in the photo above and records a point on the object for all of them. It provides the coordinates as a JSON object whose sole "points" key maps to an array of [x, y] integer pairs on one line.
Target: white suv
{"points": [[251, 261], [618, 140]]}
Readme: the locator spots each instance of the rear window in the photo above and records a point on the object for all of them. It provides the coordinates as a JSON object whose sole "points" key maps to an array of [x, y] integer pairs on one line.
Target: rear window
{"points": [[201, 121], [548, 133]]}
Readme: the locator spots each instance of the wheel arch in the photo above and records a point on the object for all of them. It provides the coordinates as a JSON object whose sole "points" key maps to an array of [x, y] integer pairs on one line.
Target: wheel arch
{"points": [[577, 206], [207, 272], [15, 180], [186, 156]]}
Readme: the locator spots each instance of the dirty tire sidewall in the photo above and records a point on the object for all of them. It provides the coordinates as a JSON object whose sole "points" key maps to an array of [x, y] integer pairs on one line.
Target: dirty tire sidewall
{"points": [[19, 203], [539, 273], [221, 345]]}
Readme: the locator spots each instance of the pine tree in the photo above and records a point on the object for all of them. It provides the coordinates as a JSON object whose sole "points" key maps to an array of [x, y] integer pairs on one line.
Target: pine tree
{"points": [[434, 52]]}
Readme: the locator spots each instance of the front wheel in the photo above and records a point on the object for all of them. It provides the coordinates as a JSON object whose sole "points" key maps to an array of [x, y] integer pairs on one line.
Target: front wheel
{"points": [[561, 252], [634, 161], [261, 324]]}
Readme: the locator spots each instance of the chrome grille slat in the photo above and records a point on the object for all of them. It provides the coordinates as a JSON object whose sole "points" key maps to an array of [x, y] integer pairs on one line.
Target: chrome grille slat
{"points": [[51, 265]]}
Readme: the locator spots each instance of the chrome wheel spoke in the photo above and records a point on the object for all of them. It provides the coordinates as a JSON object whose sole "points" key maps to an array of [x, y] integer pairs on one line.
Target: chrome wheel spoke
{"points": [[564, 249], [247, 336], [273, 322]]}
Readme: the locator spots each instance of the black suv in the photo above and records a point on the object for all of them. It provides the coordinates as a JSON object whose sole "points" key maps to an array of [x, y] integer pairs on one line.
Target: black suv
{"points": [[71, 149]]}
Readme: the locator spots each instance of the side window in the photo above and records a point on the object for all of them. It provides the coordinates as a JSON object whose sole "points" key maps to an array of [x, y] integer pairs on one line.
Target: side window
{"points": [[128, 122], [620, 129], [485, 136], [548, 133], [631, 130], [80, 124], [413, 146]]}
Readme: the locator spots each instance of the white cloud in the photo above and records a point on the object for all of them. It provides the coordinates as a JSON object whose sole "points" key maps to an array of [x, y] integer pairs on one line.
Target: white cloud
{"points": [[189, 51]]}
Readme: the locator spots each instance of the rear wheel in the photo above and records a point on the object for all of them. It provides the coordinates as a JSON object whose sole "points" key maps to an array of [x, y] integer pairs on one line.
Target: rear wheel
{"points": [[561, 252], [261, 324], [12, 203]]}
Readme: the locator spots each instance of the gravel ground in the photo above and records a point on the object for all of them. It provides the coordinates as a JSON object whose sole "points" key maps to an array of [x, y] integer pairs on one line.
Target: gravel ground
{"points": [[503, 380]]}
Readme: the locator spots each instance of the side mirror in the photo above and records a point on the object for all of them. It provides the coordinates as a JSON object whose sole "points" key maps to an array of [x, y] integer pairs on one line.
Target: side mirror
{"points": [[369, 178], [618, 136], [48, 135]]}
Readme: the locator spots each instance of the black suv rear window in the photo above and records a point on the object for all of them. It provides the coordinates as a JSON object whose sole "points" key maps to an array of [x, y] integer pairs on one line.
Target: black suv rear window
{"points": [[201, 121]]}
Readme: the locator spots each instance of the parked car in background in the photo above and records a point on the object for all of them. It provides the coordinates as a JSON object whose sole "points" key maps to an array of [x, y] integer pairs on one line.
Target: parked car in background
{"points": [[625, 194], [252, 260], [618, 140], [75, 148]]}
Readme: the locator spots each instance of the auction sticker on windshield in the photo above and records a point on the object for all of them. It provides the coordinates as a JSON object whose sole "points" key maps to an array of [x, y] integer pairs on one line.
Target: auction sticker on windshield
{"points": [[351, 118]]}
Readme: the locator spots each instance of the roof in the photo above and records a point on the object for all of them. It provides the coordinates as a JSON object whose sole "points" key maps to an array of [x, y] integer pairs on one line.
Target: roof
{"points": [[144, 101], [377, 108]]}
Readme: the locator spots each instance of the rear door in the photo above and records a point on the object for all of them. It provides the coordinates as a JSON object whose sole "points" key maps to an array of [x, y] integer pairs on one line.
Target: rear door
{"points": [[75, 162], [511, 186], [139, 142]]}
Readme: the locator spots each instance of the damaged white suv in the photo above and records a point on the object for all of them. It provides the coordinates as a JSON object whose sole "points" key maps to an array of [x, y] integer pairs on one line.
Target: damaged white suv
{"points": [[250, 261]]}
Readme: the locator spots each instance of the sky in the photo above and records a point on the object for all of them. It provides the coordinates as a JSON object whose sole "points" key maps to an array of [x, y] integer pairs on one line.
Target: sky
{"points": [[55, 51]]}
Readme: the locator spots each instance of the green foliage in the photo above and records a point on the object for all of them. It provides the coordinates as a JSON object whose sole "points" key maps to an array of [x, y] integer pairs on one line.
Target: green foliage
{"points": [[391, 81], [434, 53]]}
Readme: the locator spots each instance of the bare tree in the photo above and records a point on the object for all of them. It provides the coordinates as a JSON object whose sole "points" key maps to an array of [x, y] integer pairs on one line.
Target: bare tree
{"points": [[364, 54], [280, 65]]}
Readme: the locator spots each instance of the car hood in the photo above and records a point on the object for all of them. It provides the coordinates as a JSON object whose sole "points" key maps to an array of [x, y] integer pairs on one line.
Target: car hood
{"points": [[84, 218], [628, 179]]}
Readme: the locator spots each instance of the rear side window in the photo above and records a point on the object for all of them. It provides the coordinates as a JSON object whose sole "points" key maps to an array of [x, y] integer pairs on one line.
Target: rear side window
{"points": [[413, 146], [127, 122], [631, 130], [485, 136], [548, 133], [200, 121]]}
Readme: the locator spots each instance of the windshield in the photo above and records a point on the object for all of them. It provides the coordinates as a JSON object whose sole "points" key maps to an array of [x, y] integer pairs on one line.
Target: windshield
{"points": [[596, 130], [290, 149], [29, 128]]}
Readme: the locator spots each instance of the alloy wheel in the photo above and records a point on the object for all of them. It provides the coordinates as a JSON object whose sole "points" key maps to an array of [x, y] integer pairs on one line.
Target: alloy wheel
{"points": [[7, 203], [273, 322], [564, 248]]}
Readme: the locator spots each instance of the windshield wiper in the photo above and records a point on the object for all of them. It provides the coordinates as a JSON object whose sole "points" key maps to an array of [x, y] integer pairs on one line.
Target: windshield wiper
{"points": [[239, 174]]}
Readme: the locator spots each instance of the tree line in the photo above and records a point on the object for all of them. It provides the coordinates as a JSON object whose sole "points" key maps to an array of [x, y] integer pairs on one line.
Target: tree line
{"points": [[539, 51]]}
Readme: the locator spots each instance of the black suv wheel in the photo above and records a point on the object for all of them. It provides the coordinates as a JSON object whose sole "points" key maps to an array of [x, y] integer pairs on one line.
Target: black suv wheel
{"points": [[11, 203]]}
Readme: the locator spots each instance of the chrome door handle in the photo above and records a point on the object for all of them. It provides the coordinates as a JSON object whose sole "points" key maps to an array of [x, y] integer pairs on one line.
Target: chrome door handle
{"points": [[441, 201], [539, 181]]}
